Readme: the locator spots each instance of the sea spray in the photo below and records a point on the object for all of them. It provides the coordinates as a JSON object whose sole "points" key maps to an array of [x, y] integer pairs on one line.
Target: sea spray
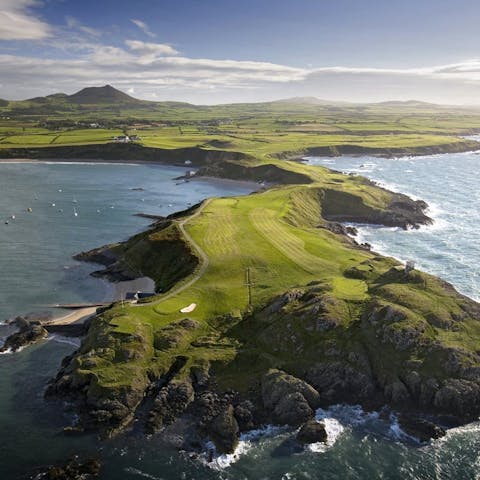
{"points": [[246, 442]]}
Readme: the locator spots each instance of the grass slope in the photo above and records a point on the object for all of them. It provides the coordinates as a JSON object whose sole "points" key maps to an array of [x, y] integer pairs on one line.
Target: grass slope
{"points": [[259, 247]]}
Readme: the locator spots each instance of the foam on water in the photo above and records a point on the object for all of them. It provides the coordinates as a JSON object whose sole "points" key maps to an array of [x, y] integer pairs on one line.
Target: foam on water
{"points": [[140, 473], [246, 443]]}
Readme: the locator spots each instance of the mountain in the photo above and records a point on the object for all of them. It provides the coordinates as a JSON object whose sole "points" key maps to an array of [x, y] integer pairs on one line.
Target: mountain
{"points": [[101, 95]]}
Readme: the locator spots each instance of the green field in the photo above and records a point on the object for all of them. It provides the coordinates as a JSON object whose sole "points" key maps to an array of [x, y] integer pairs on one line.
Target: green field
{"points": [[263, 130]]}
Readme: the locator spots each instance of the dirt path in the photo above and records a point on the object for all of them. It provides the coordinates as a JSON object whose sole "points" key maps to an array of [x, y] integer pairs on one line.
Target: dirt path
{"points": [[203, 257]]}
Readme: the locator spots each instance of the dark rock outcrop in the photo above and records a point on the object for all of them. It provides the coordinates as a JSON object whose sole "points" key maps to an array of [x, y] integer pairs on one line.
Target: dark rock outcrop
{"points": [[312, 432], [292, 401], [224, 430], [420, 428], [169, 404], [29, 333], [74, 469], [340, 381]]}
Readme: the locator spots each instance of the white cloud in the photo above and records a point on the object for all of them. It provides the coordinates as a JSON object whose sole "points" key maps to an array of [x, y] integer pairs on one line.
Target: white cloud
{"points": [[151, 48], [143, 27], [17, 22], [74, 24], [153, 70]]}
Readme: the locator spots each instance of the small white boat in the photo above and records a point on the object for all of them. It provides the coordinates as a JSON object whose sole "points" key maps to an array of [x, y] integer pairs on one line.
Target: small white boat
{"points": [[74, 200], [75, 212], [53, 205], [13, 217], [98, 211], [60, 190], [170, 205]]}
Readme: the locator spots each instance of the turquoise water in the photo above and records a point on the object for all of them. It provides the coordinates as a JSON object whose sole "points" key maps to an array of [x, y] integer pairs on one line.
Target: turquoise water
{"points": [[36, 265]]}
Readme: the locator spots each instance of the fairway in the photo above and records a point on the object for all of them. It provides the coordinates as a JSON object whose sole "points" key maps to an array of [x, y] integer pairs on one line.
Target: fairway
{"points": [[284, 240]]}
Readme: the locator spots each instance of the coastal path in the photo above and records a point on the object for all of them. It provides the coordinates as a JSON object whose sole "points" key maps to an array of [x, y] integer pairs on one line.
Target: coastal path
{"points": [[203, 258]]}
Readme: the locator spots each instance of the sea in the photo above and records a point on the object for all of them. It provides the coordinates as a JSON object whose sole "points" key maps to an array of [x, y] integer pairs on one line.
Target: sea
{"points": [[37, 271]]}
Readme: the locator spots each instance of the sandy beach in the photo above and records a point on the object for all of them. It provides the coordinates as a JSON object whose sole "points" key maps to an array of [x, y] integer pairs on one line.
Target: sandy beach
{"points": [[118, 292], [75, 316]]}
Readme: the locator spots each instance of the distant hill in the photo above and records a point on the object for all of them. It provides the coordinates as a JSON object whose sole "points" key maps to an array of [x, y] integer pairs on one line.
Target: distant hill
{"points": [[58, 96], [406, 103], [101, 95], [305, 101], [4, 103]]}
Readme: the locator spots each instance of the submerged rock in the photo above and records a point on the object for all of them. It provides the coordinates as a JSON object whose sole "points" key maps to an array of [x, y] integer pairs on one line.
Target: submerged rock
{"points": [[420, 428], [72, 470]]}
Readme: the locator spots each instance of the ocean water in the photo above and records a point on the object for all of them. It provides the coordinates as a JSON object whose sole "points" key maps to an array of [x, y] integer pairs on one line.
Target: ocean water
{"points": [[37, 270], [36, 265]]}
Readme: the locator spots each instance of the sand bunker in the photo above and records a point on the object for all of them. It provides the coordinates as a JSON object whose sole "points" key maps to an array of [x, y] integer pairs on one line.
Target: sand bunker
{"points": [[189, 309]]}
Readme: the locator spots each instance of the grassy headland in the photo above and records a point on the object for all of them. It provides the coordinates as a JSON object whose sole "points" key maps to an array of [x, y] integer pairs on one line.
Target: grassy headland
{"points": [[277, 284]]}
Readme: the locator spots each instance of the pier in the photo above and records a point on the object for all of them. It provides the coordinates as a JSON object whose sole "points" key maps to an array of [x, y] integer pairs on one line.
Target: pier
{"points": [[78, 306]]}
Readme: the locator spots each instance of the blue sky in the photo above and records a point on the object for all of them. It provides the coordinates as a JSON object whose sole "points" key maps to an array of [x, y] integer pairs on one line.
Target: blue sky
{"points": [[211, 51]]}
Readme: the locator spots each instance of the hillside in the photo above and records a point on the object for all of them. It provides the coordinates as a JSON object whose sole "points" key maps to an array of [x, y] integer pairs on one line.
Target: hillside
{"points": [[283, 129], [290, 314], [101, 95]]}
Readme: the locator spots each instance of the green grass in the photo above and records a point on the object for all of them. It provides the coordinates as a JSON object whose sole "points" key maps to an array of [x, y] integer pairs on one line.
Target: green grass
{"points": [[261, 130], [276, 239]]}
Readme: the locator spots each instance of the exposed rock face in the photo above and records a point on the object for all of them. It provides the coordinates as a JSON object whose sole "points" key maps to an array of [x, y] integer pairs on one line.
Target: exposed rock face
{"points": [[459, 395], [170, 403], [341, 229], [339, 381], [224, 430], [292, 401], [402, 212], [30, 332], [420, 428], [312, 432], [244, 413]]}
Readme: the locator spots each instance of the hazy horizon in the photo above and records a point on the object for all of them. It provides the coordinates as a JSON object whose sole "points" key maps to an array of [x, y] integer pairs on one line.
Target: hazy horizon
{"points": [[216, 51]]}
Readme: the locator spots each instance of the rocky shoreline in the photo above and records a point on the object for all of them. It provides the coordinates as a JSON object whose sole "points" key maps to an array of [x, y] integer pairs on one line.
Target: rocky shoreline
{"points": [[189, 405], [385, 356]]}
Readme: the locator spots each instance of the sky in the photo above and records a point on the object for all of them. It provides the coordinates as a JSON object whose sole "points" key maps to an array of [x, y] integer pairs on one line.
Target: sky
{"points": [[221, 51]]}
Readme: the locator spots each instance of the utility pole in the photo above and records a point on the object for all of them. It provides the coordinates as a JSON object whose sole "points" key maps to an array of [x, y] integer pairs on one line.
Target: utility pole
{"points": [[249, 286]]}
